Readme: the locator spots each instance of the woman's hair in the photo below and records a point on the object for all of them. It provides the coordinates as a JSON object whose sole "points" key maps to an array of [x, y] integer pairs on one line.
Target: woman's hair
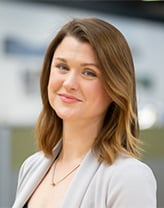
{"points": [[119, 133]]}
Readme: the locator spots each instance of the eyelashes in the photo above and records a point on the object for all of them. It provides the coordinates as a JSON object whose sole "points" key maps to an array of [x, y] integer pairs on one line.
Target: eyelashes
{"points": [[90, 73], [62, 67]]}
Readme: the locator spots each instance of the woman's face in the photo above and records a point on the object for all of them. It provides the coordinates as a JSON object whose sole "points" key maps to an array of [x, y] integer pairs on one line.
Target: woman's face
{"points": [[75, 88]]}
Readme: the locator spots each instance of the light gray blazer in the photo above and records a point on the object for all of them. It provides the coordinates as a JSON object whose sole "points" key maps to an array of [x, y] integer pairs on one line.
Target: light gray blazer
{"points": [[128, 183]]}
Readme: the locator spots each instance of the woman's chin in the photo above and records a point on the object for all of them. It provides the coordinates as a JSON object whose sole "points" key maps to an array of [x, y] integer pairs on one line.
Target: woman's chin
{"points": [[66, 116]]}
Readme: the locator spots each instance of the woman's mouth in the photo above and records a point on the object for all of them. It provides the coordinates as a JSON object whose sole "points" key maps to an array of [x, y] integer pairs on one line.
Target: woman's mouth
{"points": [[68, 98]]}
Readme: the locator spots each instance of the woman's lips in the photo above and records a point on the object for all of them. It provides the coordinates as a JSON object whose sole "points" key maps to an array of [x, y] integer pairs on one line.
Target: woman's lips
{"points": [[68, 98]]}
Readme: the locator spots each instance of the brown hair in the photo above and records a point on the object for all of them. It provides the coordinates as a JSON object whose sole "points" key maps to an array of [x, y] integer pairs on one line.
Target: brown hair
{"points": [[119, 133]]}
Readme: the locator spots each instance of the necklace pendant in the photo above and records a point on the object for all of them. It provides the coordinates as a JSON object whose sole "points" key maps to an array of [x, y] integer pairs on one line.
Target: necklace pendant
{"points": [[53, 184], [63, 178]]}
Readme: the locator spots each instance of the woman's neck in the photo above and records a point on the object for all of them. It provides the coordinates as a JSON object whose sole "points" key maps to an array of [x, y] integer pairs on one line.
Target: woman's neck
{"points": [[78, 138]]}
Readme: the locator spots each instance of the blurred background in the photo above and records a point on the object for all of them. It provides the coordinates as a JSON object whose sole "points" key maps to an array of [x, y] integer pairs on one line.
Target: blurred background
{"points": [[27, 27]]}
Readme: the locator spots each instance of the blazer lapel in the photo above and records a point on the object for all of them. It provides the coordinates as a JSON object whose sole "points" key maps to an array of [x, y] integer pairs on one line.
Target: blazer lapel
{"points": [[81, 180]]}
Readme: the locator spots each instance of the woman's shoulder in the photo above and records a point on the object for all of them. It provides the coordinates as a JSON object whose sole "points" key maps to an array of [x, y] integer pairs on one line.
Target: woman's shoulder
{"points": [[29, 165], [130, 172], [33, 161], [129, 165], [133, 178]]}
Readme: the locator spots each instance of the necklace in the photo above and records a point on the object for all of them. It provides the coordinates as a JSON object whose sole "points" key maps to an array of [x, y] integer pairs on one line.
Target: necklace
{"points": [[53, 183]]}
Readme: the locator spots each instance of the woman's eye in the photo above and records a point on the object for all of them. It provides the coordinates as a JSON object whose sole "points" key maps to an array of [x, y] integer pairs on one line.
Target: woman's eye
{"points": [[89, 73], [62, 67]]}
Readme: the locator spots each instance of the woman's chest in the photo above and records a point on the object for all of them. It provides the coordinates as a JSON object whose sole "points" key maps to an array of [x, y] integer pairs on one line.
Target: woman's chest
{"points": [[48, 195]]}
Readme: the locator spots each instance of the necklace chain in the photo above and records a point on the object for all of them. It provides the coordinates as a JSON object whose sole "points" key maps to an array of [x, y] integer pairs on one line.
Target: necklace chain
{"points": [[53, 183]]}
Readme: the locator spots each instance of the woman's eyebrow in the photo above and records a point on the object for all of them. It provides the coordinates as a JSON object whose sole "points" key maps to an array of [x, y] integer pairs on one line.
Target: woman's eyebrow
{"points": [[61, 59], [82, 64], [89, 64]]}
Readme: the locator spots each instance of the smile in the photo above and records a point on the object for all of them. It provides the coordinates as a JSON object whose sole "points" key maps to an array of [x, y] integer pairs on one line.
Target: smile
{"points": [[68, 98]]}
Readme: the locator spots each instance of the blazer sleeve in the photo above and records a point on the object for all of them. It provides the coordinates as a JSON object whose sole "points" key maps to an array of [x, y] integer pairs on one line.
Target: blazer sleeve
{"points": [[133, 185]]}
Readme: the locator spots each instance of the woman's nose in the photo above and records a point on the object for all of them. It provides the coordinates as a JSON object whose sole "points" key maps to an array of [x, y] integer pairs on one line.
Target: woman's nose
{"points": [[71, 81]]}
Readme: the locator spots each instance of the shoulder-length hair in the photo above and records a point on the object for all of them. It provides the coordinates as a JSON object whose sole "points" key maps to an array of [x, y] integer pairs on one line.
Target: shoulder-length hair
{"points": [[119, 133]]}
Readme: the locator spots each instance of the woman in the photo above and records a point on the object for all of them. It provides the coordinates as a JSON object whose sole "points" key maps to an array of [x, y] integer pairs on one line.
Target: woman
{"points": [[87, 132]]}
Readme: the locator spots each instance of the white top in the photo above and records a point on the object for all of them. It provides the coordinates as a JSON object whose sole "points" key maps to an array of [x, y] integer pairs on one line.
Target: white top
{"points": [[128, 183]]}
